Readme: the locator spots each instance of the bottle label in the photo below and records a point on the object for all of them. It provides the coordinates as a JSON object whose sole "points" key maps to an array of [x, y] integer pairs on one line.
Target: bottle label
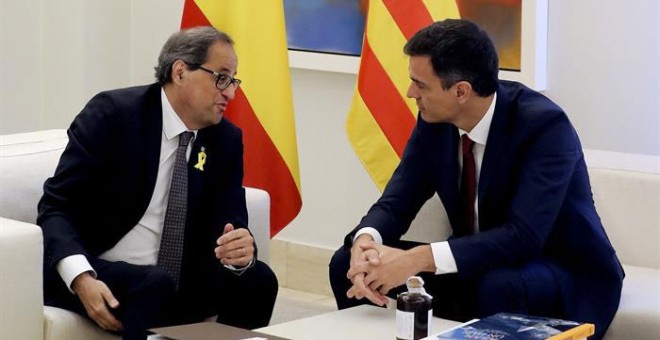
{"points": [[405, 325], [430, 322]]}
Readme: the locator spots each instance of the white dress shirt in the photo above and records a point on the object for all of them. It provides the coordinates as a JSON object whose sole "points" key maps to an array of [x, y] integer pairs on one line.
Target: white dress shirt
{"points": [[442, 255], [141, 244]]}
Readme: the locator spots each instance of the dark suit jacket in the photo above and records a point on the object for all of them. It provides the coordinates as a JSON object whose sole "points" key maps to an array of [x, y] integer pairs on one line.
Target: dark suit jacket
{"points": [[107, 174], [535, 201]]}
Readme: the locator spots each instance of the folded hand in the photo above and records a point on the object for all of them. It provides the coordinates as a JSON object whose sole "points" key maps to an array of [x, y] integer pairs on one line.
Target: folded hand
{"points": [[361, 262], [235, 246]]}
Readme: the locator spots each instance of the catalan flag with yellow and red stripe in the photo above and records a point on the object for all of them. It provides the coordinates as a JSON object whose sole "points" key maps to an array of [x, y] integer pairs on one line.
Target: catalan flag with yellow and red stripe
{"points": [[263, 105], [381, 117]]}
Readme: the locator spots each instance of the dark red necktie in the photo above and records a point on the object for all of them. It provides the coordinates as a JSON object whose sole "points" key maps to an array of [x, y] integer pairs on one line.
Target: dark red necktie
{"points": [[468, 185]]}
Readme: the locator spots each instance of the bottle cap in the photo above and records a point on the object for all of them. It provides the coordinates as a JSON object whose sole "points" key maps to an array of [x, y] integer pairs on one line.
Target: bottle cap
{"points": [[414, 282]]}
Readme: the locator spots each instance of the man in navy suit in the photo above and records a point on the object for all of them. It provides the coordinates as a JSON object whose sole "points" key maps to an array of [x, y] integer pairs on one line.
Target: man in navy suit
{"points": [[104, 210], [526, 235]]}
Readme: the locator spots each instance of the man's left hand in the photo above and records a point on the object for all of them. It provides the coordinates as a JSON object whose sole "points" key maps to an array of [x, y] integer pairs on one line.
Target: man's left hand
{"points": [[235, 246], [395, 267]]}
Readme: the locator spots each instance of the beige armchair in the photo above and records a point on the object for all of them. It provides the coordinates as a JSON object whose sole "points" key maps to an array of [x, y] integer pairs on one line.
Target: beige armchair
{"points": [[26, 160]]}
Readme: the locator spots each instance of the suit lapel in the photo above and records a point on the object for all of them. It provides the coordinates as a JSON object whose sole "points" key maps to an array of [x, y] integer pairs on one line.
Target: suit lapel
{"points": [[451, 181], [445, 168], [195, 176], [153, 137], [496, 143]]}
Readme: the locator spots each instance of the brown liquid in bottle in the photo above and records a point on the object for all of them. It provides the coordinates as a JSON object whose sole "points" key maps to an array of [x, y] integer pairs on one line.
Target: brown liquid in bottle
{"points": [[414, 311]]}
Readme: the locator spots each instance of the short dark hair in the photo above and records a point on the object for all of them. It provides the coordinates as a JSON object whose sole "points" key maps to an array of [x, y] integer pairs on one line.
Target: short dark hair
{"points": [[459, 50], [189, 45]]}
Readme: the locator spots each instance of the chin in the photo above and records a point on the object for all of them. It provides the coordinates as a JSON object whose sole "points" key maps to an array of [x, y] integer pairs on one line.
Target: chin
{"points": [[217, 118], [428, 119]]}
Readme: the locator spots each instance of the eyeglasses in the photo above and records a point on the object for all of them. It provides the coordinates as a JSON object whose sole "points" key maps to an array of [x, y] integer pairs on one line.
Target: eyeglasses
{"points": [[222, 81]]}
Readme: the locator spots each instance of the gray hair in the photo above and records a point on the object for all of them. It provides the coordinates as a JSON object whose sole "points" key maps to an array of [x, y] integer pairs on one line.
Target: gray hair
{"points": [[190, 46]]}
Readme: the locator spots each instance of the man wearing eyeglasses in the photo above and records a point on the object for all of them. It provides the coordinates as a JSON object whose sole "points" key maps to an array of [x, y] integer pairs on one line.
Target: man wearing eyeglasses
{"points": [[145, 220]]}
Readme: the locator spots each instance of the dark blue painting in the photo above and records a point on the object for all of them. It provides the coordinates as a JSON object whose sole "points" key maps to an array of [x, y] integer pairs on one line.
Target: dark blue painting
{"points": [[330, 26]]}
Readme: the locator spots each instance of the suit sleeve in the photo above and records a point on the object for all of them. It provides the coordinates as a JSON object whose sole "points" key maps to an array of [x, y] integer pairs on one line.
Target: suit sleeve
{"points": [[405, 193], [74, 176], [547, 164]]}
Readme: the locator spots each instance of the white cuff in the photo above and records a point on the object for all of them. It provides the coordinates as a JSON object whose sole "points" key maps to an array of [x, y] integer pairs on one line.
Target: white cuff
{"points": [[239, 271], [443, 258], [72, 266], [371, 231]]}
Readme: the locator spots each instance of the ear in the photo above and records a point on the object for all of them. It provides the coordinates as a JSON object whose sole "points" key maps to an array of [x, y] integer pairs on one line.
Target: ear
{"points": [[463, 91], [179, 69]]}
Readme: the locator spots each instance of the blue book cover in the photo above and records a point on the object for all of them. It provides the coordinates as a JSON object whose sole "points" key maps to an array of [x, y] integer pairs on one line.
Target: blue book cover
{"points": [[509, 326]]}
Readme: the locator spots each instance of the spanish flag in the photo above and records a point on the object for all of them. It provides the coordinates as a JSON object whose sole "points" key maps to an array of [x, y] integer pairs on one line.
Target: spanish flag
{"points": [[381, 117], [263, 106]]}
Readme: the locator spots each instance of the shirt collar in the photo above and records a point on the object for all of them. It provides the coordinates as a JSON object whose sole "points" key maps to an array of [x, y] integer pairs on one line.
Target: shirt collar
{"points": [[173, 126], [479, 133]]}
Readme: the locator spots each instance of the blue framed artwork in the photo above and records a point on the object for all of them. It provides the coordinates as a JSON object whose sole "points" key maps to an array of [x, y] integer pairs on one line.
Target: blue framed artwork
{"points": [[329, 26], [326, 35]]}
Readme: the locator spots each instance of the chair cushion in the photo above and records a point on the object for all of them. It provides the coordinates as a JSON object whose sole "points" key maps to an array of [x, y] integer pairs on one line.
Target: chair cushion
{"points": [[628, 203], [60, 324], [638, 316]]}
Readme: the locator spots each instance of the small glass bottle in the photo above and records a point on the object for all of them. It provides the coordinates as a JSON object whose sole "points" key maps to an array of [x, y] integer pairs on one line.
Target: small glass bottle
{"points": [[414, 311]]}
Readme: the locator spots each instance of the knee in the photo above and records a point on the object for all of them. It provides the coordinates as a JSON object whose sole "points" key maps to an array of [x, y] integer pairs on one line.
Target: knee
{"points": [[157, 281], [499, 291], [339, 264], [264, 276]]}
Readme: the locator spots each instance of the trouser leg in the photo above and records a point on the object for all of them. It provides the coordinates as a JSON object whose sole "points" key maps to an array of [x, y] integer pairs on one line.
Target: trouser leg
{"points": [[529, 289], [246, 300], [146, 296]]}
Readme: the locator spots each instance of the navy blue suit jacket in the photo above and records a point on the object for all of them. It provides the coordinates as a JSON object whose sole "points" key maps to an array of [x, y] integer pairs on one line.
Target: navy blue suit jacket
{"points": [[535, 201], [107, 174]]}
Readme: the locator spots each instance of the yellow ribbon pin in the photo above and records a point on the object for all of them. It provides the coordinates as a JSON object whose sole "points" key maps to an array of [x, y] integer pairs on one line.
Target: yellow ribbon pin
{"points": [[201, 160]]}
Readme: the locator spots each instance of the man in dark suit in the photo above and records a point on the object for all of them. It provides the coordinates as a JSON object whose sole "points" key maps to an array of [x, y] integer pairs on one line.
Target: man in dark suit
{"points": [[509, 169], [140, 163]]}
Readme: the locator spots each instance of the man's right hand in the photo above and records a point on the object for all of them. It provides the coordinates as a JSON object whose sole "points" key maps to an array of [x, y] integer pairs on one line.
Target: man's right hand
{"points": [[96, 297], [360, 289]]}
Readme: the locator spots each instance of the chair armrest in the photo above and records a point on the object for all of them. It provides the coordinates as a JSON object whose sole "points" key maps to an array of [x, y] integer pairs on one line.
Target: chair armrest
{"points": [[21, 291], [258, 206]]}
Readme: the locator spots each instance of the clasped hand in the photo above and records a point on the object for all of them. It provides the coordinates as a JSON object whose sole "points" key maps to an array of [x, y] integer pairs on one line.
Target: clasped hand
{"points": [[235, 246], [376, 269]]}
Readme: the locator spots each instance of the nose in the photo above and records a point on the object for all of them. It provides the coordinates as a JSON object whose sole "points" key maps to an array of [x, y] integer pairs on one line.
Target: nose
{"points": [[412, 91], [229, 92]]}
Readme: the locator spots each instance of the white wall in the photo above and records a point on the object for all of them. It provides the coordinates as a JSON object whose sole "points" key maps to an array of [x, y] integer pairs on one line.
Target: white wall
{"points": [[336, 191], [603, 69], [55, 55]]}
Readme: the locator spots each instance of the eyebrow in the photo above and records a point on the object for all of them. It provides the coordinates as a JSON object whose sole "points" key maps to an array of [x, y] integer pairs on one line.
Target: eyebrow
{"points": [[417, 81], [227, 71]]}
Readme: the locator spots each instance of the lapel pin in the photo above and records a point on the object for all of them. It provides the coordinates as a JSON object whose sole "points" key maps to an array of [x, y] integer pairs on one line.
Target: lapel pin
{"points": [[201, 159]]}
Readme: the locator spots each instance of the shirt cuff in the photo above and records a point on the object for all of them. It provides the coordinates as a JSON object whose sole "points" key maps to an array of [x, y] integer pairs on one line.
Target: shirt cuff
{"points": [[443, 258], [371, 231], [239, 271], [72, 266]]}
